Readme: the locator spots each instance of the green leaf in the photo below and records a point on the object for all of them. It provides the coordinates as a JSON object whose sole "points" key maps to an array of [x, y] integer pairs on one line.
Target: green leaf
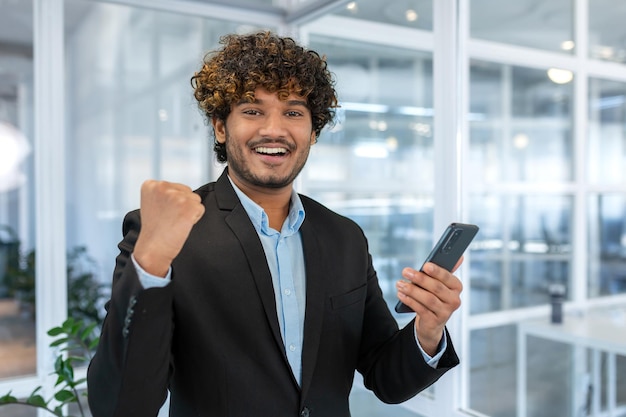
{"points": [[68, 372], [55, 331], [58, 411], [59, 341], [37, 401], [94, 344], [87, 332], [8, 399], [58, 364], [65, 396], [75, 329], [67, 324]]}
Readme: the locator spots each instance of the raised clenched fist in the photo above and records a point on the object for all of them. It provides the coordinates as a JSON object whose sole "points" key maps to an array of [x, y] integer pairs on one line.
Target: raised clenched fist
{"points": [[168, 212]]}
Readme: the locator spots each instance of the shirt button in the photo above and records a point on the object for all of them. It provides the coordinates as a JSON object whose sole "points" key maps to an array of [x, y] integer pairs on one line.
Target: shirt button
{"points": [[287, 291], [292, 347]]}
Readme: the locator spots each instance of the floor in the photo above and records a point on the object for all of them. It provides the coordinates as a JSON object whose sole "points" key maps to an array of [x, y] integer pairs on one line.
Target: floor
{"points": [[17, 340]]}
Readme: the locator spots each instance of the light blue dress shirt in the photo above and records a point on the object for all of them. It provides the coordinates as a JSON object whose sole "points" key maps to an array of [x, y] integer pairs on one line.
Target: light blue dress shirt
{"points": [[285, 259]]}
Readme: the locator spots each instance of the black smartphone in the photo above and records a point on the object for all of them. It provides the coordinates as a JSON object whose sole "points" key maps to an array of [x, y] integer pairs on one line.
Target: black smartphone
{"points": [[447, 252]]}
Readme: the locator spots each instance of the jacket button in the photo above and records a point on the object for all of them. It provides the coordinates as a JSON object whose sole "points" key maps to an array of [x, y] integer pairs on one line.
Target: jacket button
{"points": [[305, 412]]}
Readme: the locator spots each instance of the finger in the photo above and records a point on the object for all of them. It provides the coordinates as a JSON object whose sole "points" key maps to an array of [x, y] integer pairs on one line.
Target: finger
{"points": [[433, 309], [433, 278], [164, 187], [442, 275], [458, 264], [420, 300], [423, 288], [174, 186], [199, 213]]}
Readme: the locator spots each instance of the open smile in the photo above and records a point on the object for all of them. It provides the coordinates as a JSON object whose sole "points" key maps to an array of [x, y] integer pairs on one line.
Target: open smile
{"points": [[264, 150]]}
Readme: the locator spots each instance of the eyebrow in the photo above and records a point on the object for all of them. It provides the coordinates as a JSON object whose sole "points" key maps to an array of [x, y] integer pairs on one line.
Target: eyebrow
{"points": [[289, 102]]}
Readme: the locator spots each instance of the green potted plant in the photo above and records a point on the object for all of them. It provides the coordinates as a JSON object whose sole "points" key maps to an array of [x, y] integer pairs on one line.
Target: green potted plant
{"points": [[75, 342], [75, 339]]}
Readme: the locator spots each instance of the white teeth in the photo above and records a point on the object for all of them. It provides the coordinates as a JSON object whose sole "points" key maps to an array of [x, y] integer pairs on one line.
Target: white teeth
{"points": [[271, 151]]}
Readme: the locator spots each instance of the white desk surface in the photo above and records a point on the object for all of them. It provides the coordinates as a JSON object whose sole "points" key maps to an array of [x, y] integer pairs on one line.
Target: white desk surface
{"points": [[604, 330], [600, 330]]}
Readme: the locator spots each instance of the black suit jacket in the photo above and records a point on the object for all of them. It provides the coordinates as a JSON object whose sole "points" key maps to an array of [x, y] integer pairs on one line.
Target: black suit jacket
{"points": [[212, 335]]}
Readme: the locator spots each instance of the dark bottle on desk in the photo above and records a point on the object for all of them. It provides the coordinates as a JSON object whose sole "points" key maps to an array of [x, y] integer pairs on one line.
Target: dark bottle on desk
{"points": [[557, 296]]}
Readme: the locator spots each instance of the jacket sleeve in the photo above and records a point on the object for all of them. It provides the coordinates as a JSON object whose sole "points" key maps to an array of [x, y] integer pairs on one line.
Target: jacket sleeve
{"points": [[396, 370], [129, 373]]}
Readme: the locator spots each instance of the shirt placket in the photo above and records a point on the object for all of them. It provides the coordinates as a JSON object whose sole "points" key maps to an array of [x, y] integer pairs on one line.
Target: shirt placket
{"points": [[291, 324]]}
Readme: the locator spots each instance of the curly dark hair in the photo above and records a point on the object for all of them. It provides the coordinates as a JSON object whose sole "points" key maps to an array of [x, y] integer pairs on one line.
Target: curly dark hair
{"points": [[263, 59]]}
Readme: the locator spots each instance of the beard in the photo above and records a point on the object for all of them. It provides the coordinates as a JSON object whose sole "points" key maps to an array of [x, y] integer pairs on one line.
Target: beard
{"points": [[237, 164]]}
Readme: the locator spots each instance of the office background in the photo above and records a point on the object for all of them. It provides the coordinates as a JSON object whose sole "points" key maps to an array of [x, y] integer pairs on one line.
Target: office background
{"points": [[510, 115]]}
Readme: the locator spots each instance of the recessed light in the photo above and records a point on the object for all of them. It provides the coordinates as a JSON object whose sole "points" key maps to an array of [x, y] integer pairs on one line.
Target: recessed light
{"points": [[521, 141], [411, 15], [560, 76]]}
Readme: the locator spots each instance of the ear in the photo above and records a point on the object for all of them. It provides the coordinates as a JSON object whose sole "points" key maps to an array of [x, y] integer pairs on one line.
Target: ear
{"points": [[313, 138], [219, 126]]}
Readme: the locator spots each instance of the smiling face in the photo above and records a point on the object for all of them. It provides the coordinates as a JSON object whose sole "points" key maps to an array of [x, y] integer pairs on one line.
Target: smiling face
{"points": [[267, 140]]}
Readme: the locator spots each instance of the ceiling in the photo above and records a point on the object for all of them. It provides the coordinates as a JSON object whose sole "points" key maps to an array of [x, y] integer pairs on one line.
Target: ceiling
{"points": [[545, 23]]}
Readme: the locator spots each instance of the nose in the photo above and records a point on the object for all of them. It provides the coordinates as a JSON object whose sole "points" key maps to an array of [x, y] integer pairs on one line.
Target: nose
{"points": [[273, 125]]}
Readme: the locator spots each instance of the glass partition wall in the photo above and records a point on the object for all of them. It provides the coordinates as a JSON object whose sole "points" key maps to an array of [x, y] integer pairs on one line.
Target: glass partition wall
{"points": [[527, 114], [17, 228], [545, 123], [375, 165]]}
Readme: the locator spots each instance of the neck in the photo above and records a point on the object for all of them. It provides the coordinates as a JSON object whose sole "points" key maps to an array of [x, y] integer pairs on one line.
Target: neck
{"points": [[276, 208], [275, 202]]}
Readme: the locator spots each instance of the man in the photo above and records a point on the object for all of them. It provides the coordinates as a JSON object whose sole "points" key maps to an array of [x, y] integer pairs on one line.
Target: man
{"points": [[244, 298]]}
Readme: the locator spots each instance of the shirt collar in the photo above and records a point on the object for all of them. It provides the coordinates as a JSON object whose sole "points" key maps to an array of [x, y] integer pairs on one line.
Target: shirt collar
{"points": [[259, 218]]}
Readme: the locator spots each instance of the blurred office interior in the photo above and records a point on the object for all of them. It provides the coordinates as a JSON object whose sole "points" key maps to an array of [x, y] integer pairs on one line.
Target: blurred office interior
{"points": [[510, 115]]}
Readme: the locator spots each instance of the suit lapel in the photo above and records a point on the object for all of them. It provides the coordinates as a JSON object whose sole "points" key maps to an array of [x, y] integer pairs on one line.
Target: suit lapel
{"points": [[315, 298], [240, 224]]}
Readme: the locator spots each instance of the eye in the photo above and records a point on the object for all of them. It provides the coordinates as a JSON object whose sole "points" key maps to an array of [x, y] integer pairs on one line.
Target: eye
{"points": [[294, 113], [251, 112]]}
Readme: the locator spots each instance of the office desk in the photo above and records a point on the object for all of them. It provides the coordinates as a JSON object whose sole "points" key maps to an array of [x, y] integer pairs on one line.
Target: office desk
{"points": [[599, 331]]}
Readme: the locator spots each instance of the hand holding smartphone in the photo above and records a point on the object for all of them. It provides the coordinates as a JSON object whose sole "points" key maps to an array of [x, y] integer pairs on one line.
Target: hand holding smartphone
{"points": [[448, 250]]}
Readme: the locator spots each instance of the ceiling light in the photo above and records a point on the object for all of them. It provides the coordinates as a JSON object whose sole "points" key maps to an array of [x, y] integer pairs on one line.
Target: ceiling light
{"points": [[422, 129], [521, 141], [567, 45], [371, 150], [560, 76], [352, 6], [365, 107], [415, 111], [605, 52], [13, 149], [411, 15], [392, 143], [379, 125]]}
